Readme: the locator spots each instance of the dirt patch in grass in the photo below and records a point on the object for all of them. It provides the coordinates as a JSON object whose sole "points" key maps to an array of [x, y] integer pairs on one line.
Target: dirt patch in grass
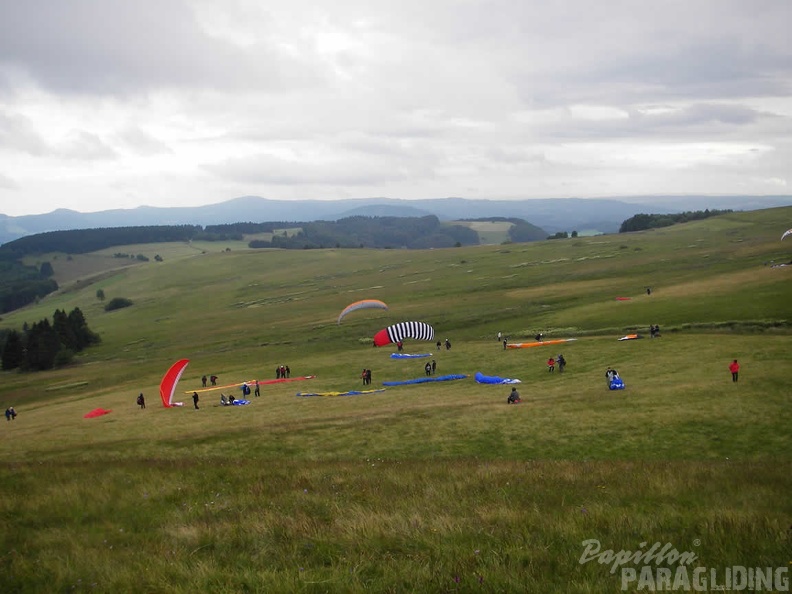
{"points": [[83, 266]]}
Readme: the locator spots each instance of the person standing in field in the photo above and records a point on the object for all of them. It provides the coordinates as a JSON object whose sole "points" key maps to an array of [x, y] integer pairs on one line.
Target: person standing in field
{"points": [[195, 400], [561, 363], [734, 367], [141, 401], [203, 381], [551, 365], [257, 391]]}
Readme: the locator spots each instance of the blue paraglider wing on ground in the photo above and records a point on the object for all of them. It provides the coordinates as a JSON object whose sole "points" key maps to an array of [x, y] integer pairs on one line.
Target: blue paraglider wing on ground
{"points": [[494, 379], [424, 380]]}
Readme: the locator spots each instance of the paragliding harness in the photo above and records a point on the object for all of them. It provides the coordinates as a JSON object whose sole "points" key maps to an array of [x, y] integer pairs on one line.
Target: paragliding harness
{"points": [[616, 383]]}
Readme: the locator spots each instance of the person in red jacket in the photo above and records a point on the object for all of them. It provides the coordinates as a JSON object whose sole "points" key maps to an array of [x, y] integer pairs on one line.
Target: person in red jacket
{"points": [[734, 367]]}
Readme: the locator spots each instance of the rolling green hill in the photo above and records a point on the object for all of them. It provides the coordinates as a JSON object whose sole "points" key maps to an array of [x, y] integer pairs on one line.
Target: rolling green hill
{"points": [[428, 488]]}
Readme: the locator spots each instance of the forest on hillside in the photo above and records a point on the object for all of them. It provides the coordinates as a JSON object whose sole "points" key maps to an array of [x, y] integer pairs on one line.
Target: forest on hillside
{"points": [[642, 222], [21, 284]]}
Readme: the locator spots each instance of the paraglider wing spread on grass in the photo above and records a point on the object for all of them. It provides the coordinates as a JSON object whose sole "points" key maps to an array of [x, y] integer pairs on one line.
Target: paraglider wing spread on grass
{"points": [[631, 337], [409, 355], [350, 393], [494, 379], [286, 379], [424, 380], [253, 382], [527, 345]]}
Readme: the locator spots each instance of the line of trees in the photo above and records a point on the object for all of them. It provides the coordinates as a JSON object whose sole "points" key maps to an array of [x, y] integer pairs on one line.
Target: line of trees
{"points": [[374, 232], [642, 222], [44, 345], [21, 284], [83, 241]]}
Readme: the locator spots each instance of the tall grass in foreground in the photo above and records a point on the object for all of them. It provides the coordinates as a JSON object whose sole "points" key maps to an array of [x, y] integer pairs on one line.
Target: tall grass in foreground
{"points": [[223, 525]]}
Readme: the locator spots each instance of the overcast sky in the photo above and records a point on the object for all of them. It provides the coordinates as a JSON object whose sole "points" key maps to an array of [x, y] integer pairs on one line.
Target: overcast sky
{"points": [[116, 104]]}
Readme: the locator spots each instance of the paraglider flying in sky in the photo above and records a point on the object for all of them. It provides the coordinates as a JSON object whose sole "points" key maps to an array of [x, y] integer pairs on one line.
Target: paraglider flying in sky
{"points": [[363, 304]]}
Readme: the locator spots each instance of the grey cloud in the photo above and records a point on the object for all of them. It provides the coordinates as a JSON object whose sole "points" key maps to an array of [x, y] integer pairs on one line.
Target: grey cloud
{"points": [[96, 46], [18, 133], [718, 68], [705, 71], [516, 155], [7, 183], [698, 120], [85, 146], [141, 142], [352, 171]]}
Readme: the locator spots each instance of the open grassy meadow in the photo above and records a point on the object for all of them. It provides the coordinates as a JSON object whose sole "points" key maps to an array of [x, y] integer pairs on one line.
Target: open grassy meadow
{"points": [[433, 487]]}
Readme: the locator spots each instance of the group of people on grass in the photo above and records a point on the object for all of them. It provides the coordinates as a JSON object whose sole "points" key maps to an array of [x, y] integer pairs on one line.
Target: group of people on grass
{"points": [[612, 378], [551, 363], [212, 378]]}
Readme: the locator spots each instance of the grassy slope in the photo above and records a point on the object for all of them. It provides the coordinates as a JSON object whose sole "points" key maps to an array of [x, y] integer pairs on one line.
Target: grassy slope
{"points": [[436, 487]]}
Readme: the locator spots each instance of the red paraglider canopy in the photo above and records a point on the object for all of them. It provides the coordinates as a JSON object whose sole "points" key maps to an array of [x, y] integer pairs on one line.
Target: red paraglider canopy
{"points": [[97, 412], [169, 381]]}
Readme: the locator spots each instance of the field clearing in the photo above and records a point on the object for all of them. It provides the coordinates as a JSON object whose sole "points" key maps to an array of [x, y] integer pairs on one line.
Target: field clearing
{"points": [[436, 487], [490, 232]]}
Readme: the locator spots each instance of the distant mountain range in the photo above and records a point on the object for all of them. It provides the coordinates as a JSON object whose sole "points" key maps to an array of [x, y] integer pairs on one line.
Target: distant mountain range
{"points": [[604, 215]]}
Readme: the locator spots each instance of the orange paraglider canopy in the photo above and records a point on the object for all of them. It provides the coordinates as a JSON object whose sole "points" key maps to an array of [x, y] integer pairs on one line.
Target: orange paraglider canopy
{"points": [[362, 304]]}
